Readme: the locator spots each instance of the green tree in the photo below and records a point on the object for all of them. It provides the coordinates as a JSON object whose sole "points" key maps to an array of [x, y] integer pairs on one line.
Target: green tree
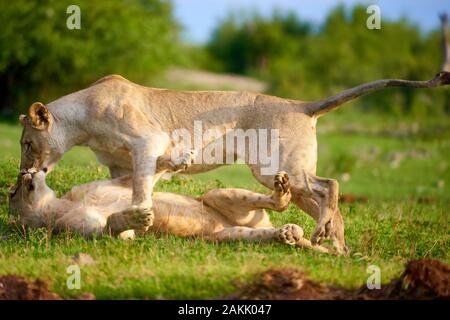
{"points": [[311, 63], [248, 43], [40, 58]]}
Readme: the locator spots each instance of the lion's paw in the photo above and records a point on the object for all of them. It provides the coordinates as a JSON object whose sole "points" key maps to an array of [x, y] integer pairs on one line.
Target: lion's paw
{"points": [[281, 182], [290, 234], [281, 191], [138, 217], [186, 160], [322, 233]]}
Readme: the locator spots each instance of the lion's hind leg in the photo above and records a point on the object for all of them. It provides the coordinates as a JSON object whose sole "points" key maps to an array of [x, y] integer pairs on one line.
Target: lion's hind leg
{"points": [[281, 195], [290, 234], [246, 208], [244, 234]]}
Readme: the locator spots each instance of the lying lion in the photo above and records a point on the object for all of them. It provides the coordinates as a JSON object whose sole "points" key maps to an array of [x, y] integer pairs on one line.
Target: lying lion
{"points": [[127, 126], [96, 208]]}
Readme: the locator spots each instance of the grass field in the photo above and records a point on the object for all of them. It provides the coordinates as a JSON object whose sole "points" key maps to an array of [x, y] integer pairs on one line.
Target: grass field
{"points": [[402, 167]]}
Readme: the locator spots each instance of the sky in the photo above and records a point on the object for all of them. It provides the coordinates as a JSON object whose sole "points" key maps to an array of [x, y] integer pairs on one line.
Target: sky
{"points": [[199, 17]]}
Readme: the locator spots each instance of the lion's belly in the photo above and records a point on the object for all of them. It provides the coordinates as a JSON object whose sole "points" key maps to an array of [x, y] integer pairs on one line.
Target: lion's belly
{"points": [[184, 216], [120, 158]]}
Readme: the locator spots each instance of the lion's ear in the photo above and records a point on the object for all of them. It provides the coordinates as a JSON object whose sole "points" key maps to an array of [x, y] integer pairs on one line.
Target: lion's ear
{"points": [[40, 116], [23, 120]]}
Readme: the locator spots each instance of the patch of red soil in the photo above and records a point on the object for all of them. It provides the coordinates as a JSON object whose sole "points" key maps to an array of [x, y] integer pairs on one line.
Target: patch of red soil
{"points": [[287, 284], [18, 288], [422, 279], [351, 198]]}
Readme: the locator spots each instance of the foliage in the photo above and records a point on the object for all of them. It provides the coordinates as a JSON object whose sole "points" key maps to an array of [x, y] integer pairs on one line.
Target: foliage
{"points": [[249, 43], [307, 63], [40, 58]]}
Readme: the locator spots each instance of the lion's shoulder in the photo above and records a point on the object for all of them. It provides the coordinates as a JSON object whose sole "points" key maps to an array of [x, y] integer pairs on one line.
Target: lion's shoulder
{"points": [[111, 77]]}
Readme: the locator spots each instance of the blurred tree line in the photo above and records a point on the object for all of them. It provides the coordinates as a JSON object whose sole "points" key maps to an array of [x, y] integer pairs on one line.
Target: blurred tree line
{"points": [[300, 61], [40, 58]]}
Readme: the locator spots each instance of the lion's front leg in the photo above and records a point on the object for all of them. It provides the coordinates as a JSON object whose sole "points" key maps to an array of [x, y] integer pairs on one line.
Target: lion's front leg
{"points": [[145, 155]]}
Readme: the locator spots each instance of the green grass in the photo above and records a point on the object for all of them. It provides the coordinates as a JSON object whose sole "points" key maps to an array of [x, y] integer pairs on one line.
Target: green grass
{"points": [[392, 228]]}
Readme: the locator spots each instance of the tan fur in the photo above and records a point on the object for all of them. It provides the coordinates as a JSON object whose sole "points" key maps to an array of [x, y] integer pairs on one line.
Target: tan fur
{"points": [[127, 127], [97, 208]]}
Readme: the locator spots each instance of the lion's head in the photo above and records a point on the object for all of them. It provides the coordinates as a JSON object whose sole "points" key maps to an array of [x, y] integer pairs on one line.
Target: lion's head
{"points": [[40, 149], [25, 194]]}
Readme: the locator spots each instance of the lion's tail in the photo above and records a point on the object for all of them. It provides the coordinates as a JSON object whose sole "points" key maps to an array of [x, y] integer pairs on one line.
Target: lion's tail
{"points": [[324, 106]]}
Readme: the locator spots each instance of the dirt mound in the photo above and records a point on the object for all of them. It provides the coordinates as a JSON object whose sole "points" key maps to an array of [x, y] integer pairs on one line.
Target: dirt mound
{"points": [[427, 278], [422, 279], [287, 284], [18, 288]]}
